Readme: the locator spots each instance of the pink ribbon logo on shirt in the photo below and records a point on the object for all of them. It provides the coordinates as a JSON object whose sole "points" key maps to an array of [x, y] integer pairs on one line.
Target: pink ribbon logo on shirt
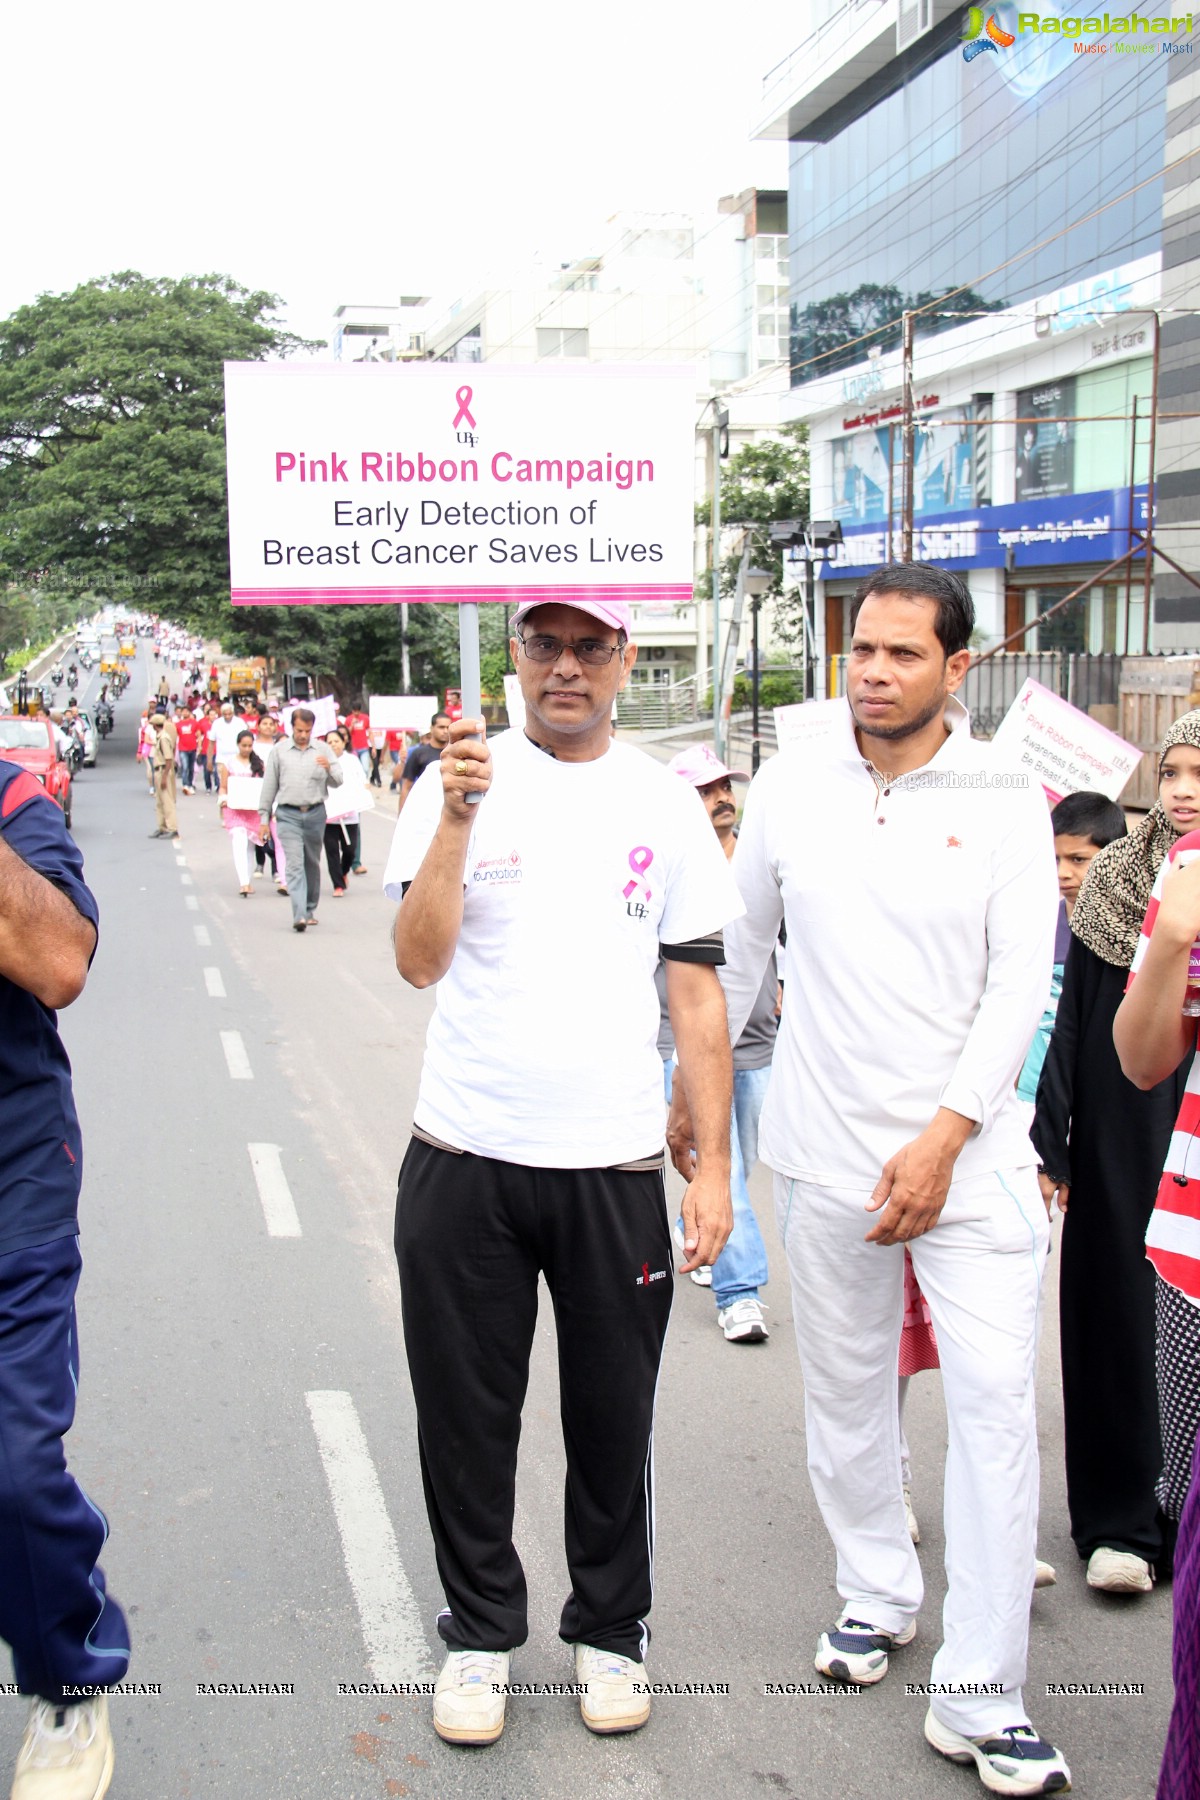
{"points": [[463, 396], [639, 861]]}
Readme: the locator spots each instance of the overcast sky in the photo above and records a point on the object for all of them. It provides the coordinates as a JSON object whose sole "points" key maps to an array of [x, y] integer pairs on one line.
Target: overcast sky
{"points": [[353, 154]]}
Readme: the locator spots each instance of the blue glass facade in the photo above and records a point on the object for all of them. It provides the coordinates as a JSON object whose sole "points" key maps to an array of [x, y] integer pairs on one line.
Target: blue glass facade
{"points": [[962, 167]]}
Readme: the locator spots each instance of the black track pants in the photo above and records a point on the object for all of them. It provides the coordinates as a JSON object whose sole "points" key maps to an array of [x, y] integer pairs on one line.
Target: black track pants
{"points": [[471, 1237]]}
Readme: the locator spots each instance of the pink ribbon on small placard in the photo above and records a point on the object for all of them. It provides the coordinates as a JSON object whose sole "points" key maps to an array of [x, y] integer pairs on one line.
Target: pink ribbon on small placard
{"points": [[463, 396], [639, 861]]}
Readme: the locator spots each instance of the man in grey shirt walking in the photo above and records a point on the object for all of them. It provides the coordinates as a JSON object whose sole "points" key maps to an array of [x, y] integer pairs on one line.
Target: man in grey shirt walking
{"points": [[297, 777]]}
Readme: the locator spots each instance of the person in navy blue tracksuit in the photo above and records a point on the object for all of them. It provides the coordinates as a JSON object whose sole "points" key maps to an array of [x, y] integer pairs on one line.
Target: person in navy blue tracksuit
{"points": [[68, 1637]]}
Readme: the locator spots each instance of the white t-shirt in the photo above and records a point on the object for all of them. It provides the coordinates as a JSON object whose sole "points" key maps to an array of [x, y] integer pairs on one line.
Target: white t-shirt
{"points": [[225, 735], [542, 1049], [920, 938]]}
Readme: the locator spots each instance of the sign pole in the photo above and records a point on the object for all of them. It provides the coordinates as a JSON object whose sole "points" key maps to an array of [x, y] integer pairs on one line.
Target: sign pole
{"points": [[468, 659]]}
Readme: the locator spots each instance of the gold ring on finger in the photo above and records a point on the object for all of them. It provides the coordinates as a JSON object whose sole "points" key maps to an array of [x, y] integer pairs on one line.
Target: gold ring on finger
{"points": [[460, 767]]}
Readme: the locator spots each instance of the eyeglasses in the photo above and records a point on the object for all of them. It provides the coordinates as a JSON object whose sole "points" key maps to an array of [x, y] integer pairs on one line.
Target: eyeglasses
{"points": [[591, 652]]}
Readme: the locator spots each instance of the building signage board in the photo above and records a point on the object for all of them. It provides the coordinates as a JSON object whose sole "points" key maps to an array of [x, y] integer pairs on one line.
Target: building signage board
{"points": [[376, 483], [1065, 749], [1069, 528]]}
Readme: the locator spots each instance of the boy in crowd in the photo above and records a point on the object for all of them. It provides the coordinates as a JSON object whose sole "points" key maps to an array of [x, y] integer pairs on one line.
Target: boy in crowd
{"points": [[1083, 824]]}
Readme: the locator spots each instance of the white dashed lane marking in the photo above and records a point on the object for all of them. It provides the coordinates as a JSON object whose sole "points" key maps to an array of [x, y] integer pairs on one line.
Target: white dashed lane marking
{"points": [[387, 1607], [185, 878], [213, 984], [191, 902], [237, 1062], [279, 1209], [202, 937]]}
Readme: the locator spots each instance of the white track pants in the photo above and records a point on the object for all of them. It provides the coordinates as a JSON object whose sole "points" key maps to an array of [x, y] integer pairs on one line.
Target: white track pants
{"points": [[980, 1269]]}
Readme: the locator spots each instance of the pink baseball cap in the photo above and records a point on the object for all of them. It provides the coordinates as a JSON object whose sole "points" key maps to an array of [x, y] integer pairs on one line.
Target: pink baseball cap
{"points": [[609, 612], [700, 765]]}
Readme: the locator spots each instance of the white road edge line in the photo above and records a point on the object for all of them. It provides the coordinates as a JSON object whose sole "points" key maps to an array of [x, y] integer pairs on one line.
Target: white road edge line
{"points": [[181, 862], [279, 1209], [237, 1062], [213, 984], [191, 902], [387, 1608], [202, 937], [185, 878]]}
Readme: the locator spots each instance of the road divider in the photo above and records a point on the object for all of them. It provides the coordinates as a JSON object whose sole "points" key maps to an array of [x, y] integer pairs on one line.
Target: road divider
{"points": [[279, 1209], [387, 1607], [236, 1060]]}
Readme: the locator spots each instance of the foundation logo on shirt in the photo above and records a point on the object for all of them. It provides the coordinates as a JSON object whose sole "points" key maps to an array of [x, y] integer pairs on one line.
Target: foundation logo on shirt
{"points": [[640, 859], [648, 1275], [499, 869], [953, 843]]}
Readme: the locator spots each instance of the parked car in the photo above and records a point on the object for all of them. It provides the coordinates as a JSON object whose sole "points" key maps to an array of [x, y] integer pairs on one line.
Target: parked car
{"points": [[32, 744]]}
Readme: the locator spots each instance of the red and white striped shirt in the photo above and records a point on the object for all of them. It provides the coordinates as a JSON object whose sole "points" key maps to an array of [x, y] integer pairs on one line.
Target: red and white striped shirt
{"points": [[1173, 1234]]}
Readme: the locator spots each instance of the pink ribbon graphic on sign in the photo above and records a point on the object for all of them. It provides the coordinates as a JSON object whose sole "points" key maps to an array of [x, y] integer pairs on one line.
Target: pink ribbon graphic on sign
{"points": [[639, 861], [463, 396]]}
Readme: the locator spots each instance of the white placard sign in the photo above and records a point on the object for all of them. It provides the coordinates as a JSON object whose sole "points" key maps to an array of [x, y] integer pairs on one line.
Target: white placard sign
{"points": [[243, 792], [349, 798], [324, 711], [514, 703], [1062, 746], [370, 483], [401, 712], [806, 721]]}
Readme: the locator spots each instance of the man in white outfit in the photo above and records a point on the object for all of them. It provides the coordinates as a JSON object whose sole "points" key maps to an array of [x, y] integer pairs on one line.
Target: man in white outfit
{"points": [[917, 880]]}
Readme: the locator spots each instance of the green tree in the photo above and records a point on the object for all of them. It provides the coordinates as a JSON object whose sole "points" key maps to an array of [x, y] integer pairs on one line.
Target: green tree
{"points": [[763, 483], [112, 440]]}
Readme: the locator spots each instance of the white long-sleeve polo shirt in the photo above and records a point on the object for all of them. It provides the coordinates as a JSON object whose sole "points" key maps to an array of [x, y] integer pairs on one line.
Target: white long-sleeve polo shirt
{"points": [[920, 937]]}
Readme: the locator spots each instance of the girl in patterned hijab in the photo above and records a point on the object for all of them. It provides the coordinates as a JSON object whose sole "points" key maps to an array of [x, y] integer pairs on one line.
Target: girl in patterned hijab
{"points": [[1102, 1143], [1116, 891]]}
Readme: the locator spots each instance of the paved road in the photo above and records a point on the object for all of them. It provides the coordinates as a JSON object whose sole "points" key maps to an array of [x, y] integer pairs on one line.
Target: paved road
{"points": [[246, 1419]]}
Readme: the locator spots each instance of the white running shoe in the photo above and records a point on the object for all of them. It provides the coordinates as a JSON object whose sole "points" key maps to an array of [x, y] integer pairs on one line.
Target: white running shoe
{"points": [[856, 1651], [467, 1708], [1119, 1572], [66, 1753], [611, 1700], [1013, 1761], [742, 1322], [1044, 1574], [703, 1275]]}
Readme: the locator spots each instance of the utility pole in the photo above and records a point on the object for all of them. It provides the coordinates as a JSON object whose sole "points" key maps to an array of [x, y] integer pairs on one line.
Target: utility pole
{"points": [[907, 498], [719, 425]]}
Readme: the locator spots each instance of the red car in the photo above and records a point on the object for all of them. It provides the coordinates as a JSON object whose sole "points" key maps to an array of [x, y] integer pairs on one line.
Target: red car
{"points": [[31, 743]]}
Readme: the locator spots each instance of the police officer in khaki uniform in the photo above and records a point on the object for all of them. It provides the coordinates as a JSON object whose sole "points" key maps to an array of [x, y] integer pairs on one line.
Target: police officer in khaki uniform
{"points": [[163, 758]]}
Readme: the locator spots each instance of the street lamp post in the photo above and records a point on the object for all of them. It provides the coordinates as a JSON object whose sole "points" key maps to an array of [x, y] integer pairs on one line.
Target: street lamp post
{"points": [[757, 581]]}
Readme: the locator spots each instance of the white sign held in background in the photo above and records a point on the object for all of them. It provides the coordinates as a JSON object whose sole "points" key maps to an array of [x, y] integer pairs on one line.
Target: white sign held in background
{"points": [[1062, 746], [372, 483], [806, 721], [243, 791], [514, 703], [324, 711], [401, 712]]}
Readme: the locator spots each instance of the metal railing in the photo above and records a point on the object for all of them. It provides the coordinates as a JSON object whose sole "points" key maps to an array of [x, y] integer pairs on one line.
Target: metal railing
{"points": [[1084, 679], [653, 706]]}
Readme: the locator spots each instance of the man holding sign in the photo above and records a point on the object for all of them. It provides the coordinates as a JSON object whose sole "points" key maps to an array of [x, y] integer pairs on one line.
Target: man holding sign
{"points": [[298, 776], [539, 879]]}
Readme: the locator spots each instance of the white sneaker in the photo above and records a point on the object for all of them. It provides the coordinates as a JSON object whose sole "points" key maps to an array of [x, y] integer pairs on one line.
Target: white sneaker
{"points": [[1044, 1575], [467, 1708], [66, 1753], [742, 1322], [1119, 1572], [910, 1517], [611, 1700], [703, 1275], [1013, 1761]]}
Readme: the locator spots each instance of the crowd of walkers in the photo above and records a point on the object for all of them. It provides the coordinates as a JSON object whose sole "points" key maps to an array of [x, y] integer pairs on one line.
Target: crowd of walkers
{"points": [[1028, 1045]]}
